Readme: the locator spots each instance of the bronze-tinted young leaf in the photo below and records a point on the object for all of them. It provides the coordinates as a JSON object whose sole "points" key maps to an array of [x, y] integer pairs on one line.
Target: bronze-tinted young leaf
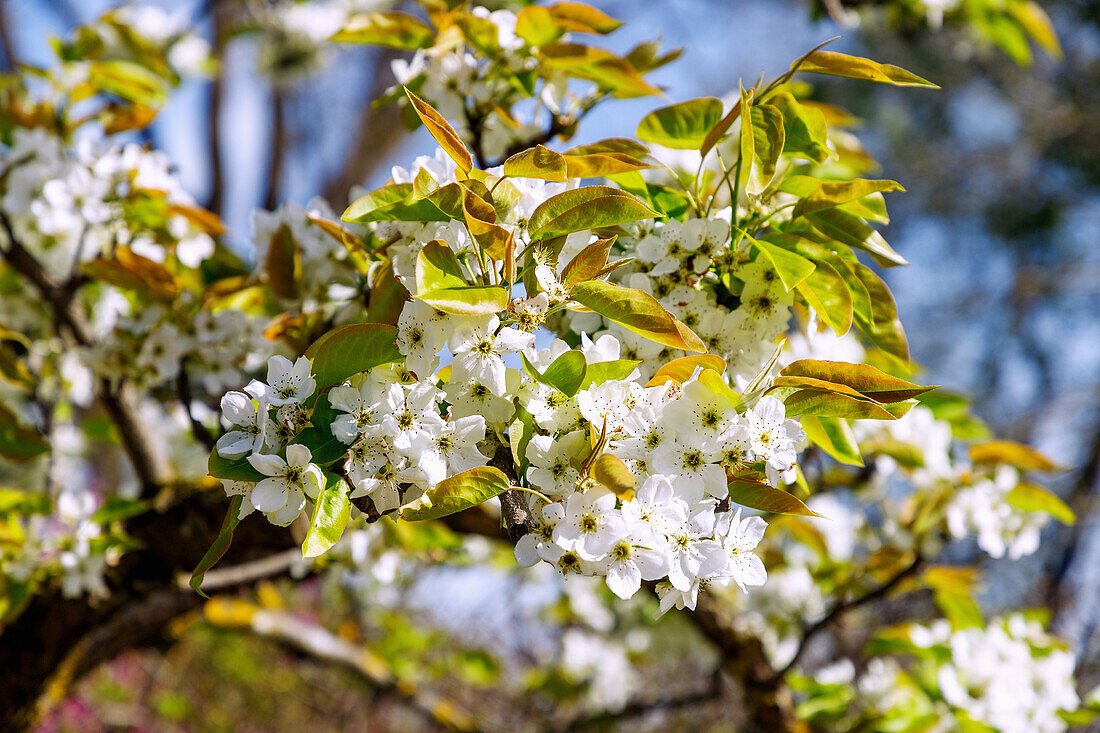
{"points": [[623, 145], [611, 472], [834, 436], [391, 29], [637, 311], [680, 370], [804, 129], [220, 546], [582, 18], [457, 493], [590, 207], [1034, 498], [867, 380], [331, 511], [856, 67], [854, 232], [283, 264], [588, 263], [833, 404], [1014, 454], [442, 131], [596, 65], [834, 193], [387, 296], [721, 128], [537, 162], [768, 137], [606, 158], [683, 126], [351, 349], [131, 271], [799, 382], [764, 498]]}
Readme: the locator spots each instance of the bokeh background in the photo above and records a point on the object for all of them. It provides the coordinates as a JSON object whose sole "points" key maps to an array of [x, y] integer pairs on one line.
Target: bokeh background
{"points": [[1001, 223]]}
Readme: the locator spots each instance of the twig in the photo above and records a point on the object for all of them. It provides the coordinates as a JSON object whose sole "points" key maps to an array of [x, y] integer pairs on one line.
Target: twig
{"points": [[197, 428], [276, 152], [839, 609], [214, 201], [639, 708], [249, 572]]}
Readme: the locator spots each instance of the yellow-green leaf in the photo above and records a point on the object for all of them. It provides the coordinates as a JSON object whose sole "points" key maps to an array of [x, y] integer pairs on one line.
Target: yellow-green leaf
{"points": [[834, 404], [865, 379], [391, 29], [856, 67], [834, 436], [582, 18], [1034, 498], [768, 137], [442, 131], [637, 311], [611, 472], [331, 511], [680, 370], [854, 232], [804, 129], [793, 268], [834, 193], [683, 126], [590, 207], [537, 162], [1015, 454], [456, 494]]}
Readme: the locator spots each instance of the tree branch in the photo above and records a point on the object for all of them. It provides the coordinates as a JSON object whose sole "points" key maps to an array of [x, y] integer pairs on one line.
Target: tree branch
{"points": [[277, 148], [809, 632], [214, 201]]}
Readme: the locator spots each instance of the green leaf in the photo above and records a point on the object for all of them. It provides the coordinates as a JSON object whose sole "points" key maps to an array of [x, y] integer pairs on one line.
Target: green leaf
{"points": [[863, 378], [683, 126], [590, 207], [834, 436], [854, 232], [764, 498], [566, 373], [746, 144], [611, 472], [581, 18], [471, 300], [793, 268], [390, 29], [221, 544], [1014, 454], [331, 512], [834, 193], [827, 293], [537, 162], [442, 131], [885, 330], [396, 202], [768, 137], [1034, 498], [959, 608], [236, 469], [833, 404], [805, 130], [637, 311], [605, 371], [348, 350], [535, 25], [856, 67], [457, 493], [129, 80], [283, 264], [604, 68], [19, 443], [438, 267]]}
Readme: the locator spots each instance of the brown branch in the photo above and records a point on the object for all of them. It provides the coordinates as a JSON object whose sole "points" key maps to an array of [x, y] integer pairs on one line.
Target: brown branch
{"points": [[276, 153], [641, 708], [812, 630], [214, 201], [149, 464], [201, 433], [7, 46]]}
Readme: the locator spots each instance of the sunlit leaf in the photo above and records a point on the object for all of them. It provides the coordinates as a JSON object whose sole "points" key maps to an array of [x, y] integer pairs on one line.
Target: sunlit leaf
{"points": [[590, 207], [611, 472], [764, 498], [804, 130], [856, 67], [834, 436], [457, 493], [680, 370], [537, 162], [1015, 454], [582, 18], [793, 269], [683, 126], [331, 511], [637, 311], [863, 378], [348, 350], [442, 131], [391, 29]]}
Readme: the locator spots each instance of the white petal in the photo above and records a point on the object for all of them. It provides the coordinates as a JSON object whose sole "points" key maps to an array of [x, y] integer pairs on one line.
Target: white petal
{"points": [[271, 495], [268, 465], [298, 455]]}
